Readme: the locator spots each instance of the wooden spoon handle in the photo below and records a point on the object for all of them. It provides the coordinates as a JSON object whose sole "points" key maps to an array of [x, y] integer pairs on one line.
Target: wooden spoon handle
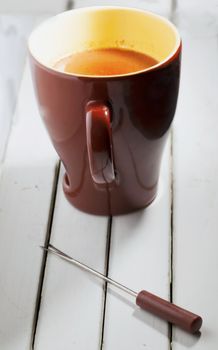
{"points": [[168, 311]]}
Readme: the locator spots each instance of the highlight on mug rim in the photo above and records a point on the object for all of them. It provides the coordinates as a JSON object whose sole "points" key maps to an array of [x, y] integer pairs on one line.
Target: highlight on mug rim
{"points": [[51, 40]]}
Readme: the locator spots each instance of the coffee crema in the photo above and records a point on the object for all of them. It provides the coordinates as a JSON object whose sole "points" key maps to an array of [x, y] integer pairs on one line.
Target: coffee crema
{"points": [[104, 62]]}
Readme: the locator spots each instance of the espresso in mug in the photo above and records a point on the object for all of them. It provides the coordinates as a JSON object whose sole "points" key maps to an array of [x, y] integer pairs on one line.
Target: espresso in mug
{"points": [[105, 61]]}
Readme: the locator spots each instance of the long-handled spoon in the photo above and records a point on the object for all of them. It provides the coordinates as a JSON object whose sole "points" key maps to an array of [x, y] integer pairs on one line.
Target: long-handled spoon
{"points": [[147, 301]]}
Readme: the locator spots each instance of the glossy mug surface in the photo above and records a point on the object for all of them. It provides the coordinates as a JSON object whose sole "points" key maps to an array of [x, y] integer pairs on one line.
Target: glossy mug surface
{"points": [[109, 131]]}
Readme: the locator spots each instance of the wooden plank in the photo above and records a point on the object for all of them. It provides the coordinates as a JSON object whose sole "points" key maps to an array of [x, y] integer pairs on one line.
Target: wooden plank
{"points": [[39, 6], [14, 31], [159, 6], [195, 283], [71, 309], [198, 16], [140, 259], [25, 193], [197, 6]]}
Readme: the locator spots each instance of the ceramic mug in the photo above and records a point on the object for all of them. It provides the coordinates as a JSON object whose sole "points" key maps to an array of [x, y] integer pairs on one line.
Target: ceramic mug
{"points": [[109, 131]]}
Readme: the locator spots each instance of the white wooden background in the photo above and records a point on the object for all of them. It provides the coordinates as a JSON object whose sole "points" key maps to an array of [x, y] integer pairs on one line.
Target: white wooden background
{"points": [[170, 249]]}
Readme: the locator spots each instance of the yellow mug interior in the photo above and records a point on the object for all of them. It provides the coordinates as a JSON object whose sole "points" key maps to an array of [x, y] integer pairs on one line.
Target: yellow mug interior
{"points": [[104, 27]]}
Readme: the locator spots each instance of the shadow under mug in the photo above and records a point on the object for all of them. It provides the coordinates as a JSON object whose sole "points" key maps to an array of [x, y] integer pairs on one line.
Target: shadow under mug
{"points": [[109, 131]]}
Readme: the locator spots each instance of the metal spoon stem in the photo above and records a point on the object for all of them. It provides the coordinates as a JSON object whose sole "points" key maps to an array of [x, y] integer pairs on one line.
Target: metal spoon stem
{"points": [[68, 258]]}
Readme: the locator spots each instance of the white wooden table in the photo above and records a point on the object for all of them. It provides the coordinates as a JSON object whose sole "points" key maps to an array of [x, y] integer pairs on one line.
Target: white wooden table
{"points": [[170, 249]]}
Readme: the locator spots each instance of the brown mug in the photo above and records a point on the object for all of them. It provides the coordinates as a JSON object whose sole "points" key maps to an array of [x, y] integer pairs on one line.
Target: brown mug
{"points": [[109, 131]]}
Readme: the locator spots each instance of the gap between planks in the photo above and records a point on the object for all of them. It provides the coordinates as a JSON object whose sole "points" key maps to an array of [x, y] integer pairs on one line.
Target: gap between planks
{"points": [[107, 262], [45, 254], [174, 4], [68, 6], [171, 235]]}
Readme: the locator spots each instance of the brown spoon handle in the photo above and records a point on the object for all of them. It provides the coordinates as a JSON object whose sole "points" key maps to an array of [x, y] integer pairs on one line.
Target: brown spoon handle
{"points": [[168, 311]]}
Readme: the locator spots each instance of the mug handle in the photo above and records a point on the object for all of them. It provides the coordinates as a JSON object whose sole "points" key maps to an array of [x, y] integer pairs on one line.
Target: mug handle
{"points": [[99, 142]]}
